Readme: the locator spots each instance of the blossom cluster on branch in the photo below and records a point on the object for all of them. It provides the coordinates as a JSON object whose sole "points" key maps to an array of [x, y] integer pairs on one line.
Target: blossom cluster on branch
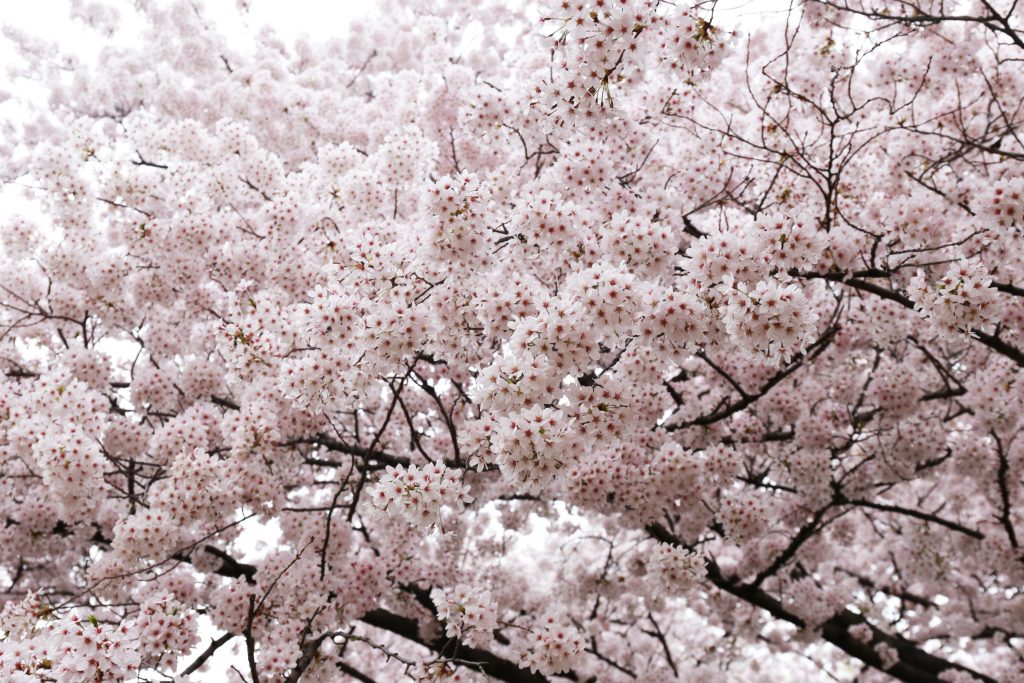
{"points": [[599, 340]]}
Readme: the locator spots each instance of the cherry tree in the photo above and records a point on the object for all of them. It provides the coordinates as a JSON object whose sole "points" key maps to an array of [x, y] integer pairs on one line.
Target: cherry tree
{"points": [[598, 340]]}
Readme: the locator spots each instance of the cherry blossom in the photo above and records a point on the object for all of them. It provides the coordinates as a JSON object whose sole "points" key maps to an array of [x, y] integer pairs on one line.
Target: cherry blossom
{"points": [[595, 340]]}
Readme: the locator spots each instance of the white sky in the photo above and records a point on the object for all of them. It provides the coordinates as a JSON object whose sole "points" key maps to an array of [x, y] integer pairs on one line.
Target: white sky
{"points": [[50, 20], [318, 18]]}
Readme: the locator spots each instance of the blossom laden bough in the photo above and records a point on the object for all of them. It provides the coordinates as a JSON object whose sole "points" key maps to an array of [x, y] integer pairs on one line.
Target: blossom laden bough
{"points": [[615, 339]]}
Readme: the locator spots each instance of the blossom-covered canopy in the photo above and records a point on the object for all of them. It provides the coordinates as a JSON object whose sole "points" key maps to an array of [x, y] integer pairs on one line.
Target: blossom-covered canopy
{"points": [[602, 340]]}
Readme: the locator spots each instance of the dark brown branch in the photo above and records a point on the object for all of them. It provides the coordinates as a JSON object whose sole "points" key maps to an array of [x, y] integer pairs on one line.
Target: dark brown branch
{"points": [[1004, 492], [354, 673], [914, 664], [482, 660], [207, 653], [368, 454], [991, 341], [916, 514], [659, 635], [250, 642], [805, 533], [747, 399], [607, 660], [229, 567], [309, 652]]}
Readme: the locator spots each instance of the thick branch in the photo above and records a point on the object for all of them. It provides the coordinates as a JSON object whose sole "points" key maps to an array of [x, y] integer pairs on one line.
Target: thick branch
{"points": [[916, 514], [746, 399], [207, 653], [487, 662], [914, 665], [991, 341]]}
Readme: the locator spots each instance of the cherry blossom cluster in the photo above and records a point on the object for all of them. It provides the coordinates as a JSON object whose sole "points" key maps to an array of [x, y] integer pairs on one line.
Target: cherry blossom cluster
{"points": [[194, 495], [702, 327], [280, 650], [70, 649], [790, 241], [419, 494], [553, 646], [167, 629], [960, 302], [514, 379], [744, 515], [772, 319], [59, 437], [469, 614], [678, 567], [604, 47], [1005, 203], [728, 254], [761, 310], [532, 446]]}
